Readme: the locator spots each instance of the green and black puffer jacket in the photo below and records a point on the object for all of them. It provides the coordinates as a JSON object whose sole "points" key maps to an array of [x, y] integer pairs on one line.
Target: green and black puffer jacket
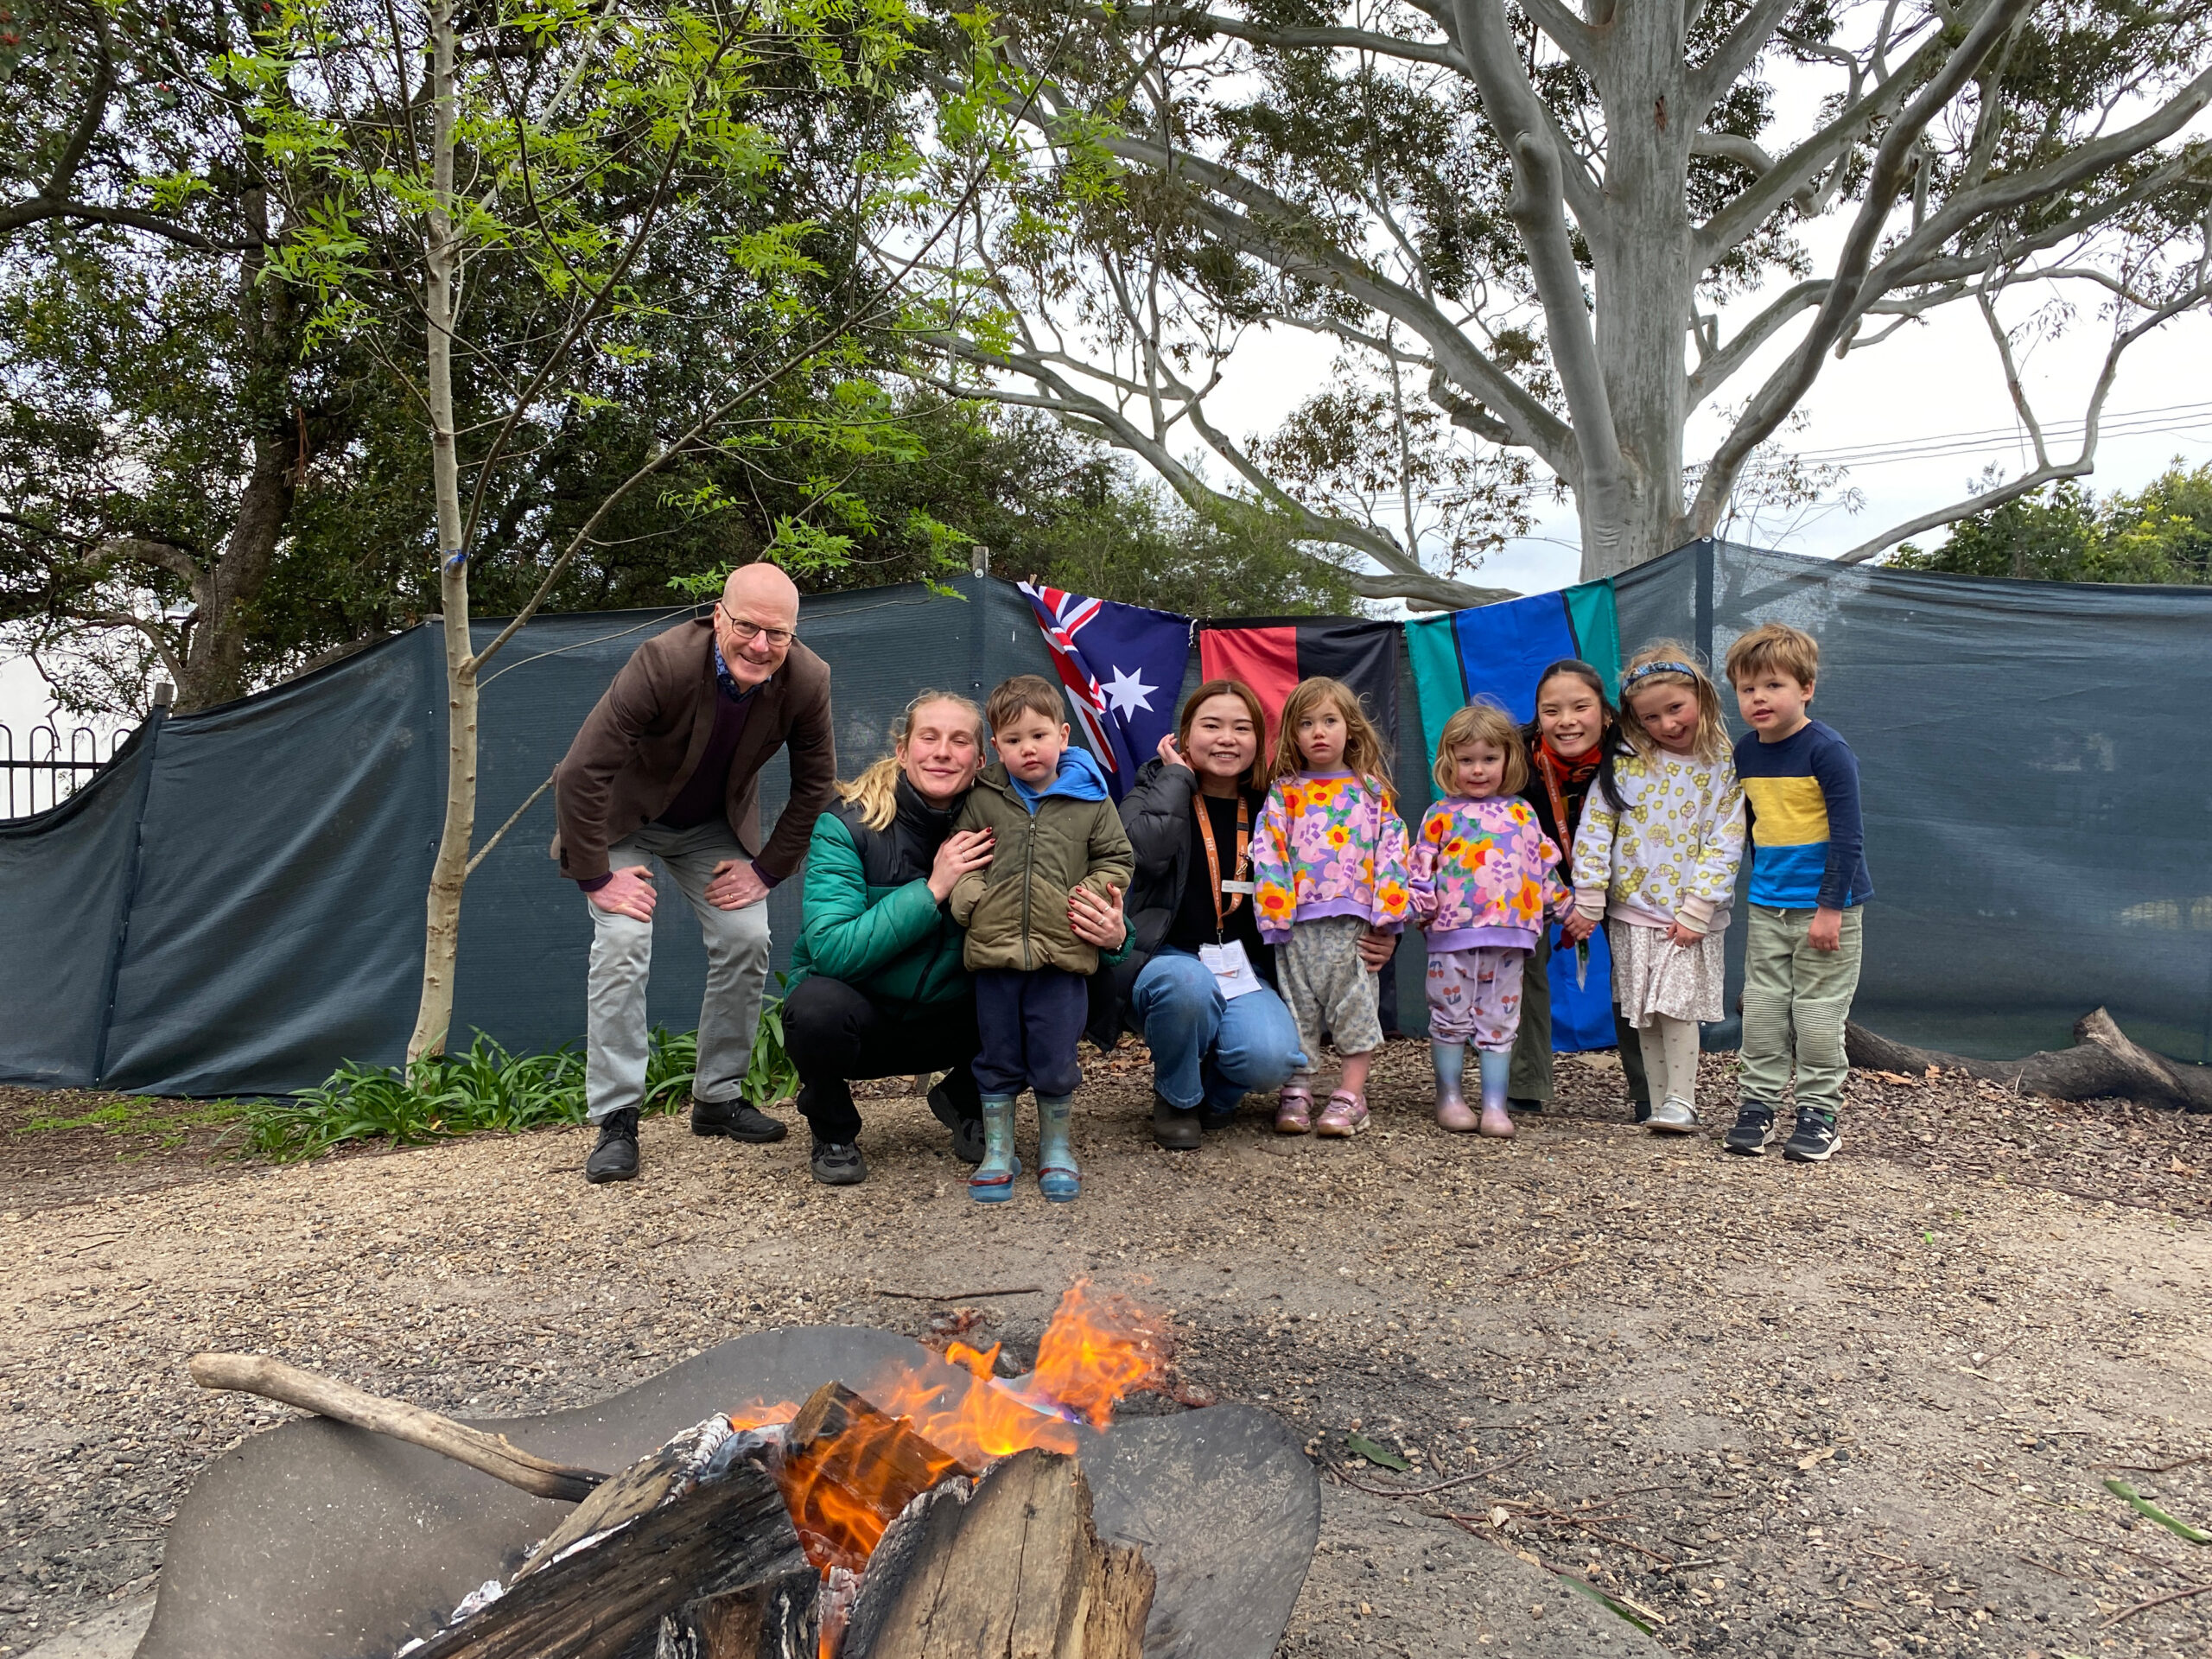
{"points": [[870, 919]]}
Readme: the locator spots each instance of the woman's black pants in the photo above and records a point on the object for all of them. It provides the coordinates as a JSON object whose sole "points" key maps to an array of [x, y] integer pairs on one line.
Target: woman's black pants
{"points": [[837, 1035]]}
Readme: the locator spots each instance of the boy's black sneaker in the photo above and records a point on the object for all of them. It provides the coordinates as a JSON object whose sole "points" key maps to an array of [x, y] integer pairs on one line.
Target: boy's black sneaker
{"points": [[1814, 1139], [615, 1156], [1754, 1129]]}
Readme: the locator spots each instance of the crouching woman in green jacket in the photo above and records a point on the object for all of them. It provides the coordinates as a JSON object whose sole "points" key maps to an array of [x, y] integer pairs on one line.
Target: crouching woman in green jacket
{"points": [[878, 989]]}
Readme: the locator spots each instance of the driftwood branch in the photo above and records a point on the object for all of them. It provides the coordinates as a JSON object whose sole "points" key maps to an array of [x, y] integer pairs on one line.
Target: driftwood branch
{"points": [[494, 1454], [2102, 1064]]}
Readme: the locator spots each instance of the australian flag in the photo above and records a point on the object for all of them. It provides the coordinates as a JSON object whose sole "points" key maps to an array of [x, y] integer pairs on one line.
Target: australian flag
{"points": [[1122, 666]]}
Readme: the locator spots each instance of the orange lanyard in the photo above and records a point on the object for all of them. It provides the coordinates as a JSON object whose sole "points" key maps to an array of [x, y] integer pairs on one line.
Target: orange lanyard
{"points": [[1221, 912]]}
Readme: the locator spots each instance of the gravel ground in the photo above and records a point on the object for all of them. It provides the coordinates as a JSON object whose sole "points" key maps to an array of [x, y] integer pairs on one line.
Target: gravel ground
{"points": [[1864, 1408]]}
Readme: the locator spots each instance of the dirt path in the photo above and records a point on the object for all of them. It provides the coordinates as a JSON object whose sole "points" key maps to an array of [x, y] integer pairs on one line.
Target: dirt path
{"points": [[1862, 1408]]}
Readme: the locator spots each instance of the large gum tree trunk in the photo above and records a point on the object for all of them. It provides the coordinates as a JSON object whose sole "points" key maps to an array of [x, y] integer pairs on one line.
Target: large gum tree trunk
{"points": [[442, 932], [1642, 282]]}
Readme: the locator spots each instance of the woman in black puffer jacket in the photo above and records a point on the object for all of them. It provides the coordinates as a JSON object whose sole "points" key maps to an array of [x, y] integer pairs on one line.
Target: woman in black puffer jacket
{"points": [[1209, 1051]]}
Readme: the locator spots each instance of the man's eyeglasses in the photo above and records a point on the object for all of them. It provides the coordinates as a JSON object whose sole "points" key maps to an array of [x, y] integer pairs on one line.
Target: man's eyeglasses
{"points": [[746, 631]]}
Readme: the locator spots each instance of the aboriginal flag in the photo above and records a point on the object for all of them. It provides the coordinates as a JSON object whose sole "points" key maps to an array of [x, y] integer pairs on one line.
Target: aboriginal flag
{"points": [[1273, 654]]}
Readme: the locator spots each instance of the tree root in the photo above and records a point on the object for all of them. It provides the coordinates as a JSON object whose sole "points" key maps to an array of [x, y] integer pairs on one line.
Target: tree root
{"points": [[2101, 1063]]}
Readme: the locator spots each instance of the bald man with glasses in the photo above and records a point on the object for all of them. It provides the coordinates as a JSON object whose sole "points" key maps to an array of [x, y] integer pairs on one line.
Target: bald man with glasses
{"points": [[666, 768]]}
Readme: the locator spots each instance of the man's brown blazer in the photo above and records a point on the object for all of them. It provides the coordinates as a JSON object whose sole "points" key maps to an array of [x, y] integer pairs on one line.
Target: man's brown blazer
{"points": [[639, 746]]}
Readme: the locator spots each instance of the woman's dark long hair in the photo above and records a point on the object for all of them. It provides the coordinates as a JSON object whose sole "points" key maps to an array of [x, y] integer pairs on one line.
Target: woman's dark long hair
{"points": [[1255, 779], [1610, 741]]}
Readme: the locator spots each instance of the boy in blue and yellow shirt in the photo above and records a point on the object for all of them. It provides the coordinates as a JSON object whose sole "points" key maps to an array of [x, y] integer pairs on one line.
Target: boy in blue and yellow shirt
{"points": [[1808, 881]]}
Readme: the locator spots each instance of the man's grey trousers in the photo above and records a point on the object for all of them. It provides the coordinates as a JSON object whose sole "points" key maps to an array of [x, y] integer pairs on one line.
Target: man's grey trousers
{"points": [[621, 959]]}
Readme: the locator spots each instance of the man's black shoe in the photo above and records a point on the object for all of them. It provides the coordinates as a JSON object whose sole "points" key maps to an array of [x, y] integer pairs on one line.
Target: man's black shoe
{"points": [[967, 1132], [1814, 1139], [1173, 1127], [1524, 1108], [615, 1156], [1754, 1129], [736, 1120], [839, 1163]]}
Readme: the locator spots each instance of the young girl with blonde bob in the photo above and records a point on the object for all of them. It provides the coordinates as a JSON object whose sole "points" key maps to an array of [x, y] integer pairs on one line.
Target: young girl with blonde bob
{"points": [[1485, 881], [1656, 856], [1329, 867]]}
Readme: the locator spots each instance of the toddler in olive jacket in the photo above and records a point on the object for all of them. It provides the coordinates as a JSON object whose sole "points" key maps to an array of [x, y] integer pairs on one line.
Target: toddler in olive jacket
{"points": [[1054, 830]]}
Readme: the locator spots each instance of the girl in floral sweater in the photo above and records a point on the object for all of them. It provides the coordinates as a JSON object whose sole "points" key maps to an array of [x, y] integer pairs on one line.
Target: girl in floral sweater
{"points": [[1655, 857], [1484, 881], [1329, 866]]}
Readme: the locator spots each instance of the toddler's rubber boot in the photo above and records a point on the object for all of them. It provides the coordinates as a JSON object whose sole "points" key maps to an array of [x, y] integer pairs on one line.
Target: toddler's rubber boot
{"points": [[993, 1181], [1451, 1110], [1497, 1122], [1058, 1178]]}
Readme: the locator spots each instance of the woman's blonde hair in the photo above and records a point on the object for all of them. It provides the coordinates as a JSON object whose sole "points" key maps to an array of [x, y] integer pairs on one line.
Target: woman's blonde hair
{"points": [[1363, 753], [875, 791], [1481, 722], [1665, 662]]}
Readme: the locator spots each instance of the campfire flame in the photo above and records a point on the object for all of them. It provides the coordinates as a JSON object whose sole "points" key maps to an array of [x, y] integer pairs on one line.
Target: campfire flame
{"points": [[1098, 1350]]}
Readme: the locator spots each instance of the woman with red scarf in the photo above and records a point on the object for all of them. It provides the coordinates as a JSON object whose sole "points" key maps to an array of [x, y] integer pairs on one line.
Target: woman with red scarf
{"points": [[1567, 745]]}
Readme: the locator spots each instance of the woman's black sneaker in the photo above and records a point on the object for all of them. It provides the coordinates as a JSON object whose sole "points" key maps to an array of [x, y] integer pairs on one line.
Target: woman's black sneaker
{"points": [[967, 1132], [615, 1156], [1814, 1139], [1174, 1129], [1754, 1129], [736, 1120], [839, 1163]]}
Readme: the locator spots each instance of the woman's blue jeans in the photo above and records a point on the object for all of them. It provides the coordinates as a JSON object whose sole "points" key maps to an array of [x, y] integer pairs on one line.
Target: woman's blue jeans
{"points": [[1207, 1051]]}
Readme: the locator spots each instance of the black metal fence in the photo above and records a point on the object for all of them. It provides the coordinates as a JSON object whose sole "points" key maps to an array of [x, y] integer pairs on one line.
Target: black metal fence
{"points": [[43, 768]]}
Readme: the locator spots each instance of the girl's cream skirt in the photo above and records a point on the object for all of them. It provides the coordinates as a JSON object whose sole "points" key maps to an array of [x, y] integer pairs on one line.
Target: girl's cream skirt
{"points": [[1653, 976]]}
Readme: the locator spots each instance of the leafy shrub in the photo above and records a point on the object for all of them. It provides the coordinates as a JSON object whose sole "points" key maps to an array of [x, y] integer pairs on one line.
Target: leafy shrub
{"points": [[487, 1088]]}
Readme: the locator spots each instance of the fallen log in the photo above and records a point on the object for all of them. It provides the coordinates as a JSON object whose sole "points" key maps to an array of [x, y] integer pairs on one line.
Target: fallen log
{"points": [[2102, 1064], [1011, 1564], [494, 1454]]}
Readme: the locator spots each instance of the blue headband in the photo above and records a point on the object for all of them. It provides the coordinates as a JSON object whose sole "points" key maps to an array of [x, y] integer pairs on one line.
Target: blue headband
{"points": [[1636, 674]]}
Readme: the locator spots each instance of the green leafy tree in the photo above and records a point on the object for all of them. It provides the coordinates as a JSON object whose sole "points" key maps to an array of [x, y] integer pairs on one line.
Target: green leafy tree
{"points": [[2161, 534], [575, 150]]}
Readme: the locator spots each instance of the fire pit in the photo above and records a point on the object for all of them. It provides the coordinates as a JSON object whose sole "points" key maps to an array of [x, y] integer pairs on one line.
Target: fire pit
{"points": [[319, 1538]]}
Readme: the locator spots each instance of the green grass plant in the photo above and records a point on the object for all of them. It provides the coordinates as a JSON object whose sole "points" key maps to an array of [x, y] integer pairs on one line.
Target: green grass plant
{"points": [[486, 1088], [167, 1121]]}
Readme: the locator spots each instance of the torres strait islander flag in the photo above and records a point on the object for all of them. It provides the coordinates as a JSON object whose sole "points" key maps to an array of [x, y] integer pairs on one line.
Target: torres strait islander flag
{"points": [[1121, 666], [1271, 655]]}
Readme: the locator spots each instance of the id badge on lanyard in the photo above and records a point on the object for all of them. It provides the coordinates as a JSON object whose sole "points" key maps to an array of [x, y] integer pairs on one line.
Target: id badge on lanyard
{"points": [[1232, 968]]}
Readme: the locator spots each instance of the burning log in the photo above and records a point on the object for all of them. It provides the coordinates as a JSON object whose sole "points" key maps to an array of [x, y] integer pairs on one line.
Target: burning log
{"points": [[716, 1573], [848, 1469], [1010, 1565]]}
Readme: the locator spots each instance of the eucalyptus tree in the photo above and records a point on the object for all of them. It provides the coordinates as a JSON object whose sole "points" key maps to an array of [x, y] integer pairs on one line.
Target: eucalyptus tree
{"points": [[1572, 234]]}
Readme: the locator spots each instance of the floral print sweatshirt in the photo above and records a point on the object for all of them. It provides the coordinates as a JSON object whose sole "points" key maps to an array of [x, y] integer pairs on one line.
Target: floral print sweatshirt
{"points": [[1482, 873], [1669, 852], [1328, 844]]}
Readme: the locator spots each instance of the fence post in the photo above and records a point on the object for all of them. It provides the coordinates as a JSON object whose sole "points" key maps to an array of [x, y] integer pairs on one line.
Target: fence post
{"points": [[1707, 549], [164, 695]]}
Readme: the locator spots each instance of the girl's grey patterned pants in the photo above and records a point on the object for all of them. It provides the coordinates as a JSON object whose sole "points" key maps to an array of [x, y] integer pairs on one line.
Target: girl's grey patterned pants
{"points": [[1328, 987]]}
